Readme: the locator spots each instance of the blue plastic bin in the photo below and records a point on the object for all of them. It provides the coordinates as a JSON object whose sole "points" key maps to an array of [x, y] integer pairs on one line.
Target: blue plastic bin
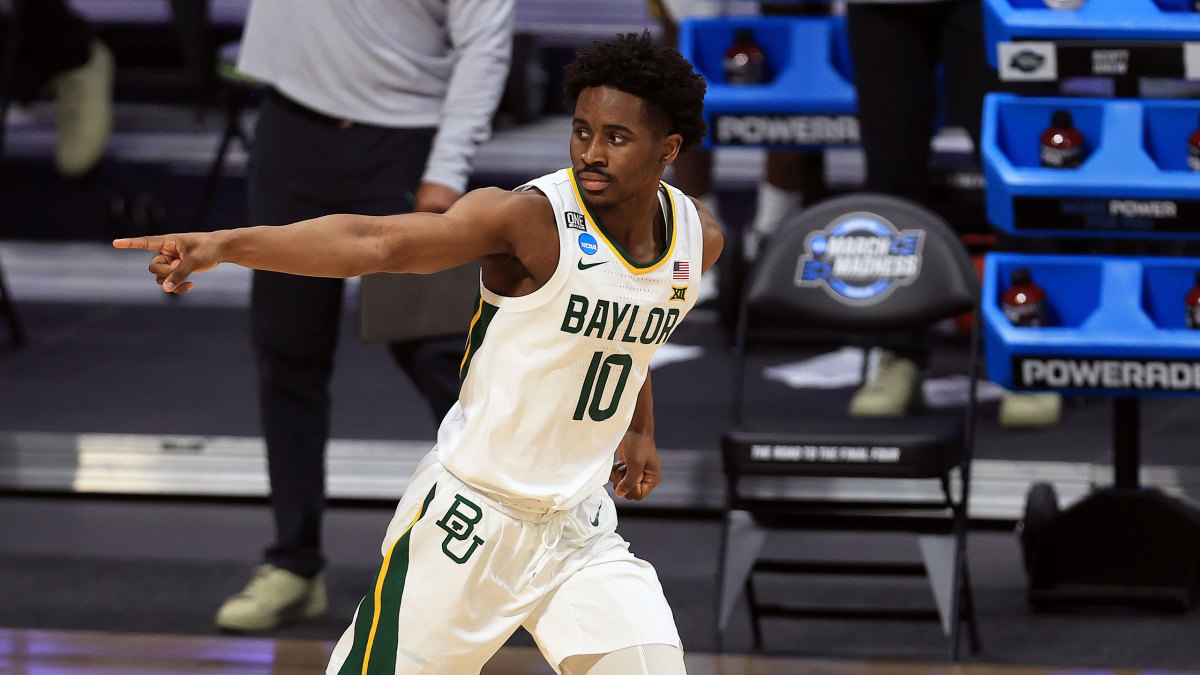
{"points": [[1117, 326], [1103, 20], [809, 99], [1133, 184]]}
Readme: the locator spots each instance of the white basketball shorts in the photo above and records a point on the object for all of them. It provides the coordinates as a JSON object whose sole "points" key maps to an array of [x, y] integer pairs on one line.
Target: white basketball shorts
{"points": [[461, 571]]}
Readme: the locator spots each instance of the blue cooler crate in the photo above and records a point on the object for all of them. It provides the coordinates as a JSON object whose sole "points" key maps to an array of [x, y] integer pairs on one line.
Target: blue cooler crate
{"points": [[1149, 38], [1116, 328], [809, 99], [1133, 184]]}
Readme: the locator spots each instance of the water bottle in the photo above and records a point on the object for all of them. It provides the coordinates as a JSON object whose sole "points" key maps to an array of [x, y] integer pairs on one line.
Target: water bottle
{"points": [[1024, 302], [1062, 145]]}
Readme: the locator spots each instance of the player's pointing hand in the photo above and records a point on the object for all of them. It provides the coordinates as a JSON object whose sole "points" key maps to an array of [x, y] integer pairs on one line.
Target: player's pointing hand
{"points": [[177, 257]]}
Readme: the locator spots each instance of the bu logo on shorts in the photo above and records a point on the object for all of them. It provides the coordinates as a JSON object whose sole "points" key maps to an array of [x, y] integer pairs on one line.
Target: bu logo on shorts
{"points": [[459, 522]]}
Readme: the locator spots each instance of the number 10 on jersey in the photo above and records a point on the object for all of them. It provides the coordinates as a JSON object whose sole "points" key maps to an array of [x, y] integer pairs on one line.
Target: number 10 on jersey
{"points": [[595, 386]]}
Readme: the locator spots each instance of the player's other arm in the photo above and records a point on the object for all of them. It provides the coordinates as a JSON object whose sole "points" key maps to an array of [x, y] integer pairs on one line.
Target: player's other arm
{"points": [[637, 470], [484, 222], [714, 239]]}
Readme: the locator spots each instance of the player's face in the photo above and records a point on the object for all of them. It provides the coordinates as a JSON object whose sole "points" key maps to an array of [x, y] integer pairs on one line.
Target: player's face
{"points": [[615, 149]]}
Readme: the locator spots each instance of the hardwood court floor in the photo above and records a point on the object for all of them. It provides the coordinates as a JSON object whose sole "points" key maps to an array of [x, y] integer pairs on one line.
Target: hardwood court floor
{"points": [[40, 652]]}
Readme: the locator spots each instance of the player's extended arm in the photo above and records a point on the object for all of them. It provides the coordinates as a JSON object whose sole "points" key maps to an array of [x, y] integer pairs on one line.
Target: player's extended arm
{"points": [[637, 470], [482, 223]]}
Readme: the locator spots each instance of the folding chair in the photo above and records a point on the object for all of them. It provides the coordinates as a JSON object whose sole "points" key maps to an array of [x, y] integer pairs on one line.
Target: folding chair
{"points": [[858, 265]]}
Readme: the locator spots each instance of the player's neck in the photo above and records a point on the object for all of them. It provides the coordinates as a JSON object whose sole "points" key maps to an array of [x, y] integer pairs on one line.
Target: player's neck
{"points": [[637, 225]]}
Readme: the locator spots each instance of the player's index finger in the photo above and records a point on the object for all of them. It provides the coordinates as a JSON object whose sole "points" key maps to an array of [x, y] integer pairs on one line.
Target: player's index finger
{"points": [[144, 243]]}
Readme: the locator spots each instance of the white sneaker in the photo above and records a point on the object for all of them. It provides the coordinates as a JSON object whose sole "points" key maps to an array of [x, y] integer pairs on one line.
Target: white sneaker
{"points": [[84, 108], [1030, 410], [892, 393], [273, 596]]}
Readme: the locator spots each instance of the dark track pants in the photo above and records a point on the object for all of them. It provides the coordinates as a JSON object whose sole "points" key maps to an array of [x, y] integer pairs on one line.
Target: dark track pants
{"points": [[303, 166]]}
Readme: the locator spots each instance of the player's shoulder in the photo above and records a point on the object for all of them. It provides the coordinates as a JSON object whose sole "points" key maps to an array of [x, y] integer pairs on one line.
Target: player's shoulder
{"points": [[711, 231], [499, 202], [708, 222], [522, 218]]}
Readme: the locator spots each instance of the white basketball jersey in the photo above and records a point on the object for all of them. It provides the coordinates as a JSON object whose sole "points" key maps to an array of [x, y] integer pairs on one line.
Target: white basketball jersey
{"points": [[550, 379]]}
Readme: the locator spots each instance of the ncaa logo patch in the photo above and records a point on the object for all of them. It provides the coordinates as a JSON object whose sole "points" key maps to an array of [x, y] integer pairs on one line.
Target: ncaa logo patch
{"points": [[575, 220], [860, 258], [588, 244]]}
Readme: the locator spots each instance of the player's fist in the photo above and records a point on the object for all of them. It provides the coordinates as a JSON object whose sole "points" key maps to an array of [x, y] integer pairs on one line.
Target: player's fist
{"points": [[637, 470]]}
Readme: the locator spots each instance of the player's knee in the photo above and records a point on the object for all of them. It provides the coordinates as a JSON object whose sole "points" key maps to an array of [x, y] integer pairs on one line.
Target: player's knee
{"points": [[655, 659]]}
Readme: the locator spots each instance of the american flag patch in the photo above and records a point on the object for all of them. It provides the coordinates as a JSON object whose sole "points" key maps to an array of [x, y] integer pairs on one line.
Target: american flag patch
{"points": [[682, 271]]}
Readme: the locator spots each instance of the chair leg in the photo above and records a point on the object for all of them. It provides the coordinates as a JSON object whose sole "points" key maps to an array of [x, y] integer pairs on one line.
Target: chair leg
{"points": [[722, 569], [956, 604], [10, 313], [742, 540], [969, 610], [6, 71], [7, 64], [217, 169], [755, 619], [963, 607]]}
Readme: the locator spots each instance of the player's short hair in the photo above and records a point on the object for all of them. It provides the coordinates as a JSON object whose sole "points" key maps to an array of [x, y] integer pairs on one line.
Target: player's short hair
{"points": [[637, 65]]}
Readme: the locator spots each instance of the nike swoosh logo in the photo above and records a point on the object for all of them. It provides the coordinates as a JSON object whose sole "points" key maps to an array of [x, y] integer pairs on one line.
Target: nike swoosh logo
{"points": [[596, 520], [584, 267]]}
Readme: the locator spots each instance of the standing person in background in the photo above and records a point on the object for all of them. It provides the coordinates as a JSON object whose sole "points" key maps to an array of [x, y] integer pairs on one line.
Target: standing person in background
{"points": [[373, 108], [897, 47], [56, 53]]}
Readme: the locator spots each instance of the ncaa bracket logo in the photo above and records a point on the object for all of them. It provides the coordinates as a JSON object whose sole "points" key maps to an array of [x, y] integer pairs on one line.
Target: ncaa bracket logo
{"points": [[588, 244], [860, 258]]}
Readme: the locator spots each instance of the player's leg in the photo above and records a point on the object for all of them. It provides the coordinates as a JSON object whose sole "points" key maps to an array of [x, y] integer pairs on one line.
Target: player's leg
{"points": [[636, 660], [450, 589], [614, 603]]}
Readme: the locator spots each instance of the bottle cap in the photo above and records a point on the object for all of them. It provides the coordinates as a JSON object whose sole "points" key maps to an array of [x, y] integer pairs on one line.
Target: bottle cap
{"points": [[1061, 119], [1021, 277]]}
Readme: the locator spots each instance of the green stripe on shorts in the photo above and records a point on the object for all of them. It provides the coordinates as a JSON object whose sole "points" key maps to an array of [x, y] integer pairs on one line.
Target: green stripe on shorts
{"points": [[376, 627]]}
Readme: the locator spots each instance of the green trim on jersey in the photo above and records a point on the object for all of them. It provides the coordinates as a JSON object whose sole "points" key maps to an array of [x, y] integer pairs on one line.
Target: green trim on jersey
{"points": [[633, 265], [374, 649], [479, 325]]}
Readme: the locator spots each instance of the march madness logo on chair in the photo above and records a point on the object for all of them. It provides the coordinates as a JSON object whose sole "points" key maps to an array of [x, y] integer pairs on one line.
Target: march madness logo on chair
{"points": [[860, 258]]}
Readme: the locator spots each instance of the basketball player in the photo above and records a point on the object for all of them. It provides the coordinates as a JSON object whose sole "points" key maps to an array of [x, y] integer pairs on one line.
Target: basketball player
{"points": [[586, 272]]}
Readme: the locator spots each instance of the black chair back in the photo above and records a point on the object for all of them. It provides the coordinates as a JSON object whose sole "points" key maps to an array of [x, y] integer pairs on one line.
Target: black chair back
{"points": [[862, 262]]}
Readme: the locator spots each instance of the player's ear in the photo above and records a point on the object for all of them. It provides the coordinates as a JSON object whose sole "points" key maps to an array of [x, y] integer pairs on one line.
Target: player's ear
{"points": [[670, 148]]}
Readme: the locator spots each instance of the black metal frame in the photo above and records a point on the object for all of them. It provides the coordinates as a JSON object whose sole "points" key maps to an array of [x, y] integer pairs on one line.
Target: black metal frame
{"points": [[15, 329], [945, 516], [236, 95]]}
